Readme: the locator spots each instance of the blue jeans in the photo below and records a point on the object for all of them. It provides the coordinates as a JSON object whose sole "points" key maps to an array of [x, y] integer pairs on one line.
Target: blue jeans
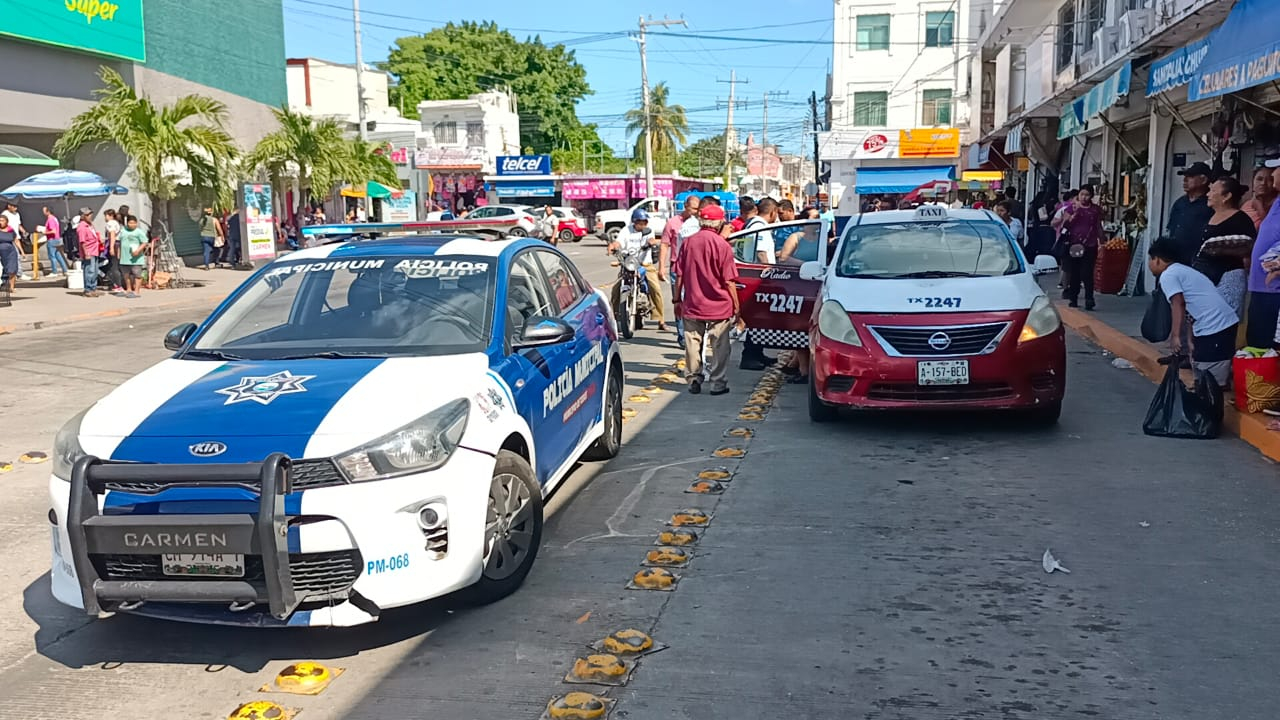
{"points": [[674, 300], [90, 274], [56, 258], [206, 244]]}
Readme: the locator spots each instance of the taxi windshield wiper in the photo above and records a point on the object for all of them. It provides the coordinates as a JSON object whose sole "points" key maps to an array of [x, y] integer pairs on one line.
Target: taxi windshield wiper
{"points": [[936, 274], [209, 355]]}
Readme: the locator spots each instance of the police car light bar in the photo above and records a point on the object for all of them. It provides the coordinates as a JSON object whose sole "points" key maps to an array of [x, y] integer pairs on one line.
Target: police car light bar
{"points": [[368, 229]]}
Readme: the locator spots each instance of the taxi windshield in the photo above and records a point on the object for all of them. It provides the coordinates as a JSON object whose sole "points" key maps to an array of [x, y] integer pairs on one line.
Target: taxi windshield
{"points": [[927, 250], [377, 306]]}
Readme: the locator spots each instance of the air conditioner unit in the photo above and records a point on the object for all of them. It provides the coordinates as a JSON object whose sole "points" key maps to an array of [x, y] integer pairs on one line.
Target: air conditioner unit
{"points": [[1135, 25], [1087, 62], [1106, 41]]}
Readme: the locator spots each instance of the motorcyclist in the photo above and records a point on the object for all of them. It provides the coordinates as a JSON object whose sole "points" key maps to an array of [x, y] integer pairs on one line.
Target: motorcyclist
{"points": [[639, 237]]}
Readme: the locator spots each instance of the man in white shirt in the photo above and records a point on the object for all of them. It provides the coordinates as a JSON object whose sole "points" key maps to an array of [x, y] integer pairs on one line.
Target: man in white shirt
{"points": [[640, 237], [1213, 320], [766, 246]]}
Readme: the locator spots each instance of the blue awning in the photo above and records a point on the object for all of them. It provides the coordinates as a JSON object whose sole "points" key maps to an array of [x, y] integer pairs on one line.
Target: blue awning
{"points": [[1076, 116], [899, 179], [1244, 52], [1177, 68]]}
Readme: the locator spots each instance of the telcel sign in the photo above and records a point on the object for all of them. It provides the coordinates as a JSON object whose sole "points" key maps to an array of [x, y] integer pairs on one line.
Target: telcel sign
{"points": [[524, 165], [101, 27]]}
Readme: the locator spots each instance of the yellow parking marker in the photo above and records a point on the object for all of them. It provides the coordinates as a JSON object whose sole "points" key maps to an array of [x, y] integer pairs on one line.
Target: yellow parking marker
{"points": [[578, 706], [642, 399], [706, 487], [33, 457], [691, 517], [667, 557], [655, 578], [680, 364], [652, 390], [750, 416], [719, 473], [667, 378], [678, 537], [730, 452], [739, 432], [5, 466], [754, 409], [628, 413], [261, 710], [628, 643], [600, 670], [304, 678], [761, 398]]}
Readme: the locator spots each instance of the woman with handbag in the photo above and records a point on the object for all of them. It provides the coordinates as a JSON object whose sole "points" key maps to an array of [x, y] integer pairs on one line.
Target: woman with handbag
{"points": [[1228, 241], [1082, 221]]}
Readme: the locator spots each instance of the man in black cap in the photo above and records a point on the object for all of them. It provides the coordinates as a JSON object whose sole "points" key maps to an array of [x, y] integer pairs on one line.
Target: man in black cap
{"points": [[1191, 212]]}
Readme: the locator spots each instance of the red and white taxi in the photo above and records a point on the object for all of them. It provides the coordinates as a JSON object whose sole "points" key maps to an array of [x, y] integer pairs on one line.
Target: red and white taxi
{"points": [[932, 308]]}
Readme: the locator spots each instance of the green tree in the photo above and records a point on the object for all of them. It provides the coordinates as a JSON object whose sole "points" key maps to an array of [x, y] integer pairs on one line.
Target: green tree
{"points": [[666, 123], [373, 162], [569, 158], [178, 149], [705, 158], [454, 61], [317, 151]]}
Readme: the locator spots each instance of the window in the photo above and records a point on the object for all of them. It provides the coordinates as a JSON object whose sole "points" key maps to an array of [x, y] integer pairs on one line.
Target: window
{"points": [[939, 29], [1094, 13], [873, 32], [937, 107], [939, 249], [1066, 43], [871, 109], [563, 282], [527, 295], [497, 211], [475, 134], [446, 133]]}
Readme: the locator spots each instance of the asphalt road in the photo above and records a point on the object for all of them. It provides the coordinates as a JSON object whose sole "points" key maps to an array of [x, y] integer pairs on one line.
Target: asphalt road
{"points": [[882, 567]]}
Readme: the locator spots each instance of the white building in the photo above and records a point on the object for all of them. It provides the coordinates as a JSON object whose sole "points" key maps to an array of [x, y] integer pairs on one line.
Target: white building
{"points": [[325, 89], [899, 95], [459, 141]]}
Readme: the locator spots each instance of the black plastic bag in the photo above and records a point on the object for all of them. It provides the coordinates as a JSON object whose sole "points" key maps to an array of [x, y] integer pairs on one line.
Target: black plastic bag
{"points": [[1177, 412], [1157, 323]]}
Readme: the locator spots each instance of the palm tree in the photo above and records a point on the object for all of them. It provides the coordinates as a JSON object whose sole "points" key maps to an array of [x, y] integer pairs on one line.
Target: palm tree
{"points": [[314, 149], [666, 123], [373, 163], [185, 143]]}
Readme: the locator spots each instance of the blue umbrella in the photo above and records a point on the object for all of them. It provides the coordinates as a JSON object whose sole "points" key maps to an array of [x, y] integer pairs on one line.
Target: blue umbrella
{"points": [[62, 184]]}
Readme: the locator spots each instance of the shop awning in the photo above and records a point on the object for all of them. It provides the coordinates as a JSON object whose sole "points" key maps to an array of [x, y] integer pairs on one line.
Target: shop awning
{"points": [[525, 188], [1177, 68], [371, 189], [1245, 51], [1076, 116], [899, 179], [982, 176], [18, 155]]}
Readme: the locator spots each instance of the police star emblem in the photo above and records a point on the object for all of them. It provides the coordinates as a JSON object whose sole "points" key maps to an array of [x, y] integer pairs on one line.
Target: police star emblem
{"points": [[263, 390]]}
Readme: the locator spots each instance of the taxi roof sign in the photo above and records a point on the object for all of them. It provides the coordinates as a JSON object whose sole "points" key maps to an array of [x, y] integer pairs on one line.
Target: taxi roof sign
{"points": [[931, 212]]}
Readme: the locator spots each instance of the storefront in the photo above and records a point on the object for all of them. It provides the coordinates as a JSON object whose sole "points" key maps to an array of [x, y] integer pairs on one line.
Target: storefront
{"points": [[524, 180], [454, 177], [887, 163]]}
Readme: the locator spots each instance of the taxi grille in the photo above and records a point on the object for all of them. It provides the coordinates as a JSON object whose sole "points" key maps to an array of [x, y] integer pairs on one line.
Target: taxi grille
{"points": [[947, 341], [303, 475], [939, 393], [313, 573]]}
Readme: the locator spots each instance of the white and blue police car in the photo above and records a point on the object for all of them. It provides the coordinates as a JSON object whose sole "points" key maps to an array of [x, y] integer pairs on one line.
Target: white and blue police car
{"points": [[361, 425]]}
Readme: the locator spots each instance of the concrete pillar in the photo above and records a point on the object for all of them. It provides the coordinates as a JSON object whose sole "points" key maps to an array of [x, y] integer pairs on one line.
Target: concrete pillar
{"points": [[1157, 143]]}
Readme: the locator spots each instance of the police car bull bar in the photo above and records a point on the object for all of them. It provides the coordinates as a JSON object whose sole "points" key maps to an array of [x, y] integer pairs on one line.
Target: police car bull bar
{"points": [[264, 534]]}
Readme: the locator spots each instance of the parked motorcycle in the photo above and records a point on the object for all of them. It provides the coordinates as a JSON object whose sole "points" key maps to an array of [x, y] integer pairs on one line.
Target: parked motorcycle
{"points": [[633, 291]]}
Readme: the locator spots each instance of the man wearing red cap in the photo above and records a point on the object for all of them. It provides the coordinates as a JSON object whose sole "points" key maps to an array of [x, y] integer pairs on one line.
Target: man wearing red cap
{"points": [[706, 297]]}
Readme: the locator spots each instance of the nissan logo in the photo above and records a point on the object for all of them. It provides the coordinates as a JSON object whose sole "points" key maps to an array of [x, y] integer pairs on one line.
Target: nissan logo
{"points": [[210, 448], [939, 341]]}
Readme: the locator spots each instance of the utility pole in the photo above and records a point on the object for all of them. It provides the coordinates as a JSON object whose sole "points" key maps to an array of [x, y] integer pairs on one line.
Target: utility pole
{"points": [[364, 126], [730, 137], [644, 89], [771, 94], [817, 165]]}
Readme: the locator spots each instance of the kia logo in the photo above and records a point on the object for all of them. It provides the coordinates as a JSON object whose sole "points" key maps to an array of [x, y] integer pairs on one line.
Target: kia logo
{"points": [[939, 341], [207, 449]]}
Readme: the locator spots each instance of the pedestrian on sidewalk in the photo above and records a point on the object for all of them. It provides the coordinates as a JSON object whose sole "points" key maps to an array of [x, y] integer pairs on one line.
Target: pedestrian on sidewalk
{"points": [[231, 252], [753, 357], [1191, 212], [210, 236], [678, 229], [1005, 211], [111, 252], [1213, 322], [133, 256], [1083, 223], [10, 254], [1261, 196], [746, 211], [90, 246], [1224, 266], [53, 243], [707, 299]]}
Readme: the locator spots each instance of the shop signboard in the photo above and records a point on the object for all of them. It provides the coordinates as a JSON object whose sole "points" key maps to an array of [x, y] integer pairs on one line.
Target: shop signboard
{"points": [[400, 209], [448, 158], [577, 190], [101, 27], [1177, 68], [526, 188], [929, 143], [400, 155], [524, 165], [662, 187], [611, 189], [259, 222]]}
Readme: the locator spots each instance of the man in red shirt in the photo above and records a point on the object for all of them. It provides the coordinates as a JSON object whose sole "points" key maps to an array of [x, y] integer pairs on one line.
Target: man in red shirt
{"points": [[707, 299], [677, 229]]}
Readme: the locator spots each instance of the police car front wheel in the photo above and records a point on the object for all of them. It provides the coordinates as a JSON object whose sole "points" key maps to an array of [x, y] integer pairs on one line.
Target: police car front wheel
{"points": [[513, 528]]}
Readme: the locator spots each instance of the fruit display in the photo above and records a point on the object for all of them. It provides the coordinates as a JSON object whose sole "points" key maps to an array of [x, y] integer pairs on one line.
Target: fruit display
{"points": [[1113, 266]]}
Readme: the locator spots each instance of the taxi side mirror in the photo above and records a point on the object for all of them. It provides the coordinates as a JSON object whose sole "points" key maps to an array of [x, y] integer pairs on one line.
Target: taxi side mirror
{"points": [[811, 270]]}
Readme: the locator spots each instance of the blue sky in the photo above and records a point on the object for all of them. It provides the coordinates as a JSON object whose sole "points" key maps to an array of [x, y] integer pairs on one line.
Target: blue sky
{"points": [[791, 55]]}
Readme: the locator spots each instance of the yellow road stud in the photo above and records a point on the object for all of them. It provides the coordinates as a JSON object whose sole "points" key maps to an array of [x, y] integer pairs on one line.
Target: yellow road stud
{"points": [[690, 518], [705, 487], [677, 537], [750, 416], [652, 390], [260, 710], [33, 457], [304, 678], [577, 706], [603, 669], [642, 399], [729, 452], [627, 642], [655, 578], [667, 557], [738, 432], [719, 473]]}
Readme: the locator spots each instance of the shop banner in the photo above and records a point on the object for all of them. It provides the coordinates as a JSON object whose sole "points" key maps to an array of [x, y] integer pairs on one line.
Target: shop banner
{"points": [[929, 143], [400, 209], [1076, 116], [106, 28], [259, 222], [442, 158], [1245, 51], [577, 190], [611, 189], [400, 155], [662, 187], [1177, 68], [524, 165]]}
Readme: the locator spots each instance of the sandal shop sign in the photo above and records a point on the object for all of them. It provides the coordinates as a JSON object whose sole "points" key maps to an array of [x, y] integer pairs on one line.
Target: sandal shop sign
{"points": [[102, 27]]}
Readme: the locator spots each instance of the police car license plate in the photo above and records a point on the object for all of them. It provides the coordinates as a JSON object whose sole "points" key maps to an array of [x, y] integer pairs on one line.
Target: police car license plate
{"points": [[942, 372], [203, 565]]}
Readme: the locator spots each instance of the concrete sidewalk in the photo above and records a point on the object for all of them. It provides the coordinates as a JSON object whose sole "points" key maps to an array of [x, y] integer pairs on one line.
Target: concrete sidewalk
{"points": [[1116, 327], [48, 302]]}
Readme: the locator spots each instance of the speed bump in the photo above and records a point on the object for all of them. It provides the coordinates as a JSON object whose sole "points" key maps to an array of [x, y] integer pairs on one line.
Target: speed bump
{"points": [[33, 457], [723, 474], [739, 432], [5, 466], [690, 518], [654, 578], [628, 643], [667, 557], [750, 416], [642, 399], [730, 452], [261, 710], [761, 409], [304, 678], [600, 670], [761, 398], [706, 487], [578, 706], [677, 537], [652, 390]]}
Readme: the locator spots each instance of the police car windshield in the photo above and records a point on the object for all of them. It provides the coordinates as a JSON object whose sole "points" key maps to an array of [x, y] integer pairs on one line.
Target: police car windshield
{"points": [[927, 250], [358, 306]]}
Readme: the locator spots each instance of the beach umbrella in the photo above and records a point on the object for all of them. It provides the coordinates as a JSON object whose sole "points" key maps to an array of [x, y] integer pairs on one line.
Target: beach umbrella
{"points": [[62, 184]]}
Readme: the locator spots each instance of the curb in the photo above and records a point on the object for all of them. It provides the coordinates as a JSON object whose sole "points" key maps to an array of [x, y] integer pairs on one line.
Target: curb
{"points": [[104, 314], [1144, 356]]}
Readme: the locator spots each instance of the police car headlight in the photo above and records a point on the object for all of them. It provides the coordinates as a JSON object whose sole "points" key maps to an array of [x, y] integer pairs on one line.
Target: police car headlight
{"points": [[422, 445], [66, 447], [834, 322], [1042, 320]]}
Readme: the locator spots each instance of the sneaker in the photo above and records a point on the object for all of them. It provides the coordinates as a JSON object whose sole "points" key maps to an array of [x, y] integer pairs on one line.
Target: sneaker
{"points": [[721, 391], [695, 386], [132, 295]]}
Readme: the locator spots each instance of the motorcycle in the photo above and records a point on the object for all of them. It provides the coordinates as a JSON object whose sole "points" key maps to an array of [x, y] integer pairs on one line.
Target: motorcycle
{"points": [[633, 291]]}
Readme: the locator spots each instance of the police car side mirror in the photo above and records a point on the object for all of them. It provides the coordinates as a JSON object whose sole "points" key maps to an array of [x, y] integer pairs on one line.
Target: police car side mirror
{"points": [[811, 270], [540, 331], [177, 337]]}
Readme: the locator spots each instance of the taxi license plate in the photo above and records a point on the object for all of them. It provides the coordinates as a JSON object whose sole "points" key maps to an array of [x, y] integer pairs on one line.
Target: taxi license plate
{"points": [[203, 565], [942, 372]]}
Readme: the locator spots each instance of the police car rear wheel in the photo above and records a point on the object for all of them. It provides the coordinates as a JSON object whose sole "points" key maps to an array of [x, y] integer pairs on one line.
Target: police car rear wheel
{"points": [[513, 528], [607, 447]]}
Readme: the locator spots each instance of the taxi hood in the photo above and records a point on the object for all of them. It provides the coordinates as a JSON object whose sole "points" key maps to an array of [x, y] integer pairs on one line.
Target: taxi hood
{"points": [[254, 408], [940, 295]]}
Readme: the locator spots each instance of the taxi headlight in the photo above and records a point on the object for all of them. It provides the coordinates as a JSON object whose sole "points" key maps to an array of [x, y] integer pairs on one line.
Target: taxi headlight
{"points": [[1042, 320], [834, 323], [422, 445], [66, 447]]}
